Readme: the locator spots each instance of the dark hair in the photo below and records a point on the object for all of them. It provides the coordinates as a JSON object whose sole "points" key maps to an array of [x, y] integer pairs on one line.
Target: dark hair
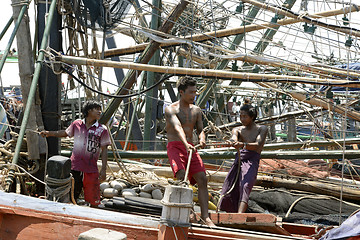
{"points": [[88, 105], [251, 111], [186, 82]]}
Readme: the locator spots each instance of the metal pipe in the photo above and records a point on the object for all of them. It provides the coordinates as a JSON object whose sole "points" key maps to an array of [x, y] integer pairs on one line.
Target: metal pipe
{"points": [[32, 92], [6, 27], [133, 116], [220, 155], [12, 37], [11, 40]]}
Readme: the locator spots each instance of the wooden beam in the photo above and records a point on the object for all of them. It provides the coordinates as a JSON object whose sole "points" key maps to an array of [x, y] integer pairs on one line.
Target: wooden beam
{"points": [[267, 120], [315, 101], [250, 77], [145, 57], [232, 31], [346, 30], [210, 155]]}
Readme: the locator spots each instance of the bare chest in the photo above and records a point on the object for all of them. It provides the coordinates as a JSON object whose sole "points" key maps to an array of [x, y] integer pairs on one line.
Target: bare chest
{"points": [[249, 135], [186, 116]]}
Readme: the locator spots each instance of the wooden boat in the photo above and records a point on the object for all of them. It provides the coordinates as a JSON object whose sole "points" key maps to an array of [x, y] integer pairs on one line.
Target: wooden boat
{"points": [[23, 217]]}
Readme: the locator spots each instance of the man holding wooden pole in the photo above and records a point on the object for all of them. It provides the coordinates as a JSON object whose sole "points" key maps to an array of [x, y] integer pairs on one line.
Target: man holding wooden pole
{"points": [[182, 117]]}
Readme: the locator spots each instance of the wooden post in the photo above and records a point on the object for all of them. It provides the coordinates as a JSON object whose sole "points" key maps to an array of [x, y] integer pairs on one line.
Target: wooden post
{"points": [[131, 76], [26, 71], [291, 128]]}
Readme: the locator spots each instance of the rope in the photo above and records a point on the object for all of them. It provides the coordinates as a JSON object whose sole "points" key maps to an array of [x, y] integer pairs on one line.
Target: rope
{"points": [[58, 188], [314, 197], [22, 169], [183, 205]]}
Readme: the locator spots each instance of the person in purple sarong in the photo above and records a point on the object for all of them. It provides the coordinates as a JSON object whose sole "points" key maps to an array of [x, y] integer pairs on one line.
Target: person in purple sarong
{"points": [[249, 140]]}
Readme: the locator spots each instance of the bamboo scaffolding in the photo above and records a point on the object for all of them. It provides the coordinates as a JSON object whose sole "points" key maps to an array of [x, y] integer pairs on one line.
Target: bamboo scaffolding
{"points": [[324, 72], [266, 120], [230, 32], [297, 67], [250, 77], [308, 144], [211, 155], [304, 18], [315, 102], [144, 58]]}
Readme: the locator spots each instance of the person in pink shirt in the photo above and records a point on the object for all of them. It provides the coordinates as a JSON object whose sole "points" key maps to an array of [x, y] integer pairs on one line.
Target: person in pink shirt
{"points": [[90, 141]]}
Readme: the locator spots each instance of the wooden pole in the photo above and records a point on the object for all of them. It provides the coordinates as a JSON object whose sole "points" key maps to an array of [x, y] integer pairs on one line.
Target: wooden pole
{"points": [[250, 77], [232, 31], [32, 92], [315, 101], [345, 30], [215, 155], [131, 76]]}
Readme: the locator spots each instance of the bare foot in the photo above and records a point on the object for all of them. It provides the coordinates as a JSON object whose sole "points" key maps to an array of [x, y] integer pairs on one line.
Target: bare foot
{"points": [[193, 218], [209, 223]]}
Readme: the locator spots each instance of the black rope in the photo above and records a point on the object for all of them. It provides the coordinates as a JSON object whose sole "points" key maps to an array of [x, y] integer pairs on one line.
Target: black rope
{"points": [[117, 96]]}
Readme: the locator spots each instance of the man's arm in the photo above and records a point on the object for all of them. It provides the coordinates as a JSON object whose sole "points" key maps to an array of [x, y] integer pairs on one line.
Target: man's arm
{"points": [[104, 157], [175, 123], [60, 133], [234, 140], [200, 129]]}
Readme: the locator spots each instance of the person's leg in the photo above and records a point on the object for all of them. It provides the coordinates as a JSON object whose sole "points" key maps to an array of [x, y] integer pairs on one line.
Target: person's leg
{"points": [[180, 175], [92, 188], [203, 196], [248, 178], [242, 207], [78, 179]]}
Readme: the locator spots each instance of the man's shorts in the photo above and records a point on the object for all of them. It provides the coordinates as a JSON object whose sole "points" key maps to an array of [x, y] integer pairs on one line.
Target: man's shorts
{"points": [[91, 185], [178, 158]]}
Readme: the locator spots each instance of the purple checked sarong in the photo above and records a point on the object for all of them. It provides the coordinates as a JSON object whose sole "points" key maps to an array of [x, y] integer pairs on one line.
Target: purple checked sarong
{"points": [[244, 184]]}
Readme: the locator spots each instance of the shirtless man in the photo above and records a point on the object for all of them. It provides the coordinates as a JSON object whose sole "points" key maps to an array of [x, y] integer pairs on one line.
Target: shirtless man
{"points": [[182, 117], [250, 138]]}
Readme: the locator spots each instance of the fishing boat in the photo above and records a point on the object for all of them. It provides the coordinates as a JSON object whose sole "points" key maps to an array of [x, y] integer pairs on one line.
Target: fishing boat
{"points": [[297, 61]]}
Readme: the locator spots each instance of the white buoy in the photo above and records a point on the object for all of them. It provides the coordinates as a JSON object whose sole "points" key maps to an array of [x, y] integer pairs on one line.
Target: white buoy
{"points": [[145, 195], [110, 192], [115, 184], [157, 194], [147, 188], [104, 185], [128, 192]]}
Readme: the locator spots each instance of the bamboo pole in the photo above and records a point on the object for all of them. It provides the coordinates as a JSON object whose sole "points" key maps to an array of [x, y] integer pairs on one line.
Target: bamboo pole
{"points": [[250, 77], [314, 101], [6, 27], [26, 71], [324, 72], [345, 30], [265, 120], [11, 40], [131, 76], [294, 145], [297, 67], [216, 155], [32, 92], [230, 32]]}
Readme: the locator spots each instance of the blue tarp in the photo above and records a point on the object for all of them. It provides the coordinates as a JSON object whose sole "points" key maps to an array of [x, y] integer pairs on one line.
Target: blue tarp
{"points": [[349, 228]]}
